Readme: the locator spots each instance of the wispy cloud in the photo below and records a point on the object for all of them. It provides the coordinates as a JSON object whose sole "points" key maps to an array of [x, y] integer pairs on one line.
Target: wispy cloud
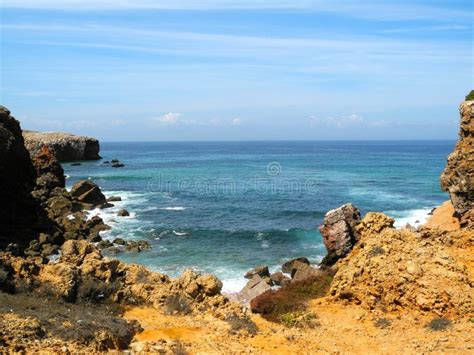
{"points": [[346, 122], [380, 9], [438, 28]]}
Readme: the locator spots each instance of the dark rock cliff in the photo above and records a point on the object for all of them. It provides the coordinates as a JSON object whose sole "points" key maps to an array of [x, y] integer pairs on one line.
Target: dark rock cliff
{"points": [[17, 180]]}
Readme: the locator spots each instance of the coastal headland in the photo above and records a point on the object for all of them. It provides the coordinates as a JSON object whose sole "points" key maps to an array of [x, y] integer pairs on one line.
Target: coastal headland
{"points": [[380, 289]]}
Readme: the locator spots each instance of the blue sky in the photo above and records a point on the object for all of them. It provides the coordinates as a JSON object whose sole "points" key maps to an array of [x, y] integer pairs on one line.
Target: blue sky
{"points": [[237, 70]]}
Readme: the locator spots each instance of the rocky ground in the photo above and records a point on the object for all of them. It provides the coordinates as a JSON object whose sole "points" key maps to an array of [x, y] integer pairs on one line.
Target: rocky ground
{"points": [[379, 290]]}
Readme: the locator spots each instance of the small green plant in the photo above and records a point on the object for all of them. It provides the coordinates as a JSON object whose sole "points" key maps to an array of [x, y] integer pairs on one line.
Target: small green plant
{"points": [[299, 320], [272, 305], [470, 96], [439, 324], [382, 323]]}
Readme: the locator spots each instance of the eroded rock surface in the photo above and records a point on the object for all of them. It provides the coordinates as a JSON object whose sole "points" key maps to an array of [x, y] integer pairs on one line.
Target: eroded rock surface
{"points": [[66, 147], [398, 270], [17, 180], [338, 232], [458, 176]]}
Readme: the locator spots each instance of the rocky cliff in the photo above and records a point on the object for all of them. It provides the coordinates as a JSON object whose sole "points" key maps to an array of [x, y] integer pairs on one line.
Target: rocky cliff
{"points": [[17, 180], [66, 147], [458, 176]]}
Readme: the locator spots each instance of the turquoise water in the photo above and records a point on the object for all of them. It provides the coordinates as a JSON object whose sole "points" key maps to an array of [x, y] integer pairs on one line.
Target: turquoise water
{"points": [[227, 207]]}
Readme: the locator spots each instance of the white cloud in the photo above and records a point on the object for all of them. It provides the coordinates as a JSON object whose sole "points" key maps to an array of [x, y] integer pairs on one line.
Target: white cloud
{"points": [[337, 122], [169, 118], [236, 121]]}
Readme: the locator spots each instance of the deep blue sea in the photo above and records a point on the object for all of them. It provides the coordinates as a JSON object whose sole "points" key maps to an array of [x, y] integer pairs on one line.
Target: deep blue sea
{"points": [[225, 207]]}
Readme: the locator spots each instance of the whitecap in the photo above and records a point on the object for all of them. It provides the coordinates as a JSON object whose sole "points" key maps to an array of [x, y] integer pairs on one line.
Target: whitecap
{"points": [[180, 234], [178, 208], [414, 218]]}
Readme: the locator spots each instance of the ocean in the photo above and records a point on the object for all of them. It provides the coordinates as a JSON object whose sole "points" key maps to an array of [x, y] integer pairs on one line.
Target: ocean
{"points": [[226, 207]]}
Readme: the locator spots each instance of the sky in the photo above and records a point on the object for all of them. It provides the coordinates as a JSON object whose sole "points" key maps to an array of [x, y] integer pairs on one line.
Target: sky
{"points": [[176, 70]]}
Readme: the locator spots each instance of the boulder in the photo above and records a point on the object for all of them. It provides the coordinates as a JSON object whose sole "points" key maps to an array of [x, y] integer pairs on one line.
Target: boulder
{"points": [[66, 147], [114, 199], [288, 267], [305, 272], [88, 193], [338, 232], [458, 176], [255, 287], [118, 165], [137, 246], [280, 279], [123, 213], [261, 271]]}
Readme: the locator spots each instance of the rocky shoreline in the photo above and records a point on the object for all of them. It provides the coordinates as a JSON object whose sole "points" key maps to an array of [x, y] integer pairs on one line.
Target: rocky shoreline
{"points": [[384, 279]]}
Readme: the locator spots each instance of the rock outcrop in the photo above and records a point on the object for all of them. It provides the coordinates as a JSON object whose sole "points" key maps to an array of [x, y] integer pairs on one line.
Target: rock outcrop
{"points": [[338, 232], [17, 180], [66, 147], [397, 270], [458, 176], [88, 193]]}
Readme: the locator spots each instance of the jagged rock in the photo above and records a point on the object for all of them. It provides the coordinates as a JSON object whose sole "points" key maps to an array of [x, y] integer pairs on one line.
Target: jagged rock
{"points": [[123, 213], [375, 223], [49, 171], [17, 180], [88, 193], [137, 246], [118, 165], [119, 241], [288, 267], [261, 271], [458, 176], [280, 279], [394, 270], [338, 232], [66, 147], [104, 244], [255, 287]]}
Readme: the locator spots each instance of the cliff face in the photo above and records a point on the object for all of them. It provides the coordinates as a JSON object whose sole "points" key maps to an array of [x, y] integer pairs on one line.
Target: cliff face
{"points": [[66, 147], [17, 180], [458, 176]]}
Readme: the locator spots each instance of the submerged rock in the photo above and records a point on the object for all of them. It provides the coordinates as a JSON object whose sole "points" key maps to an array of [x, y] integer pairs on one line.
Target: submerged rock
{"points": [[123, 213], [66, 147], [338, 232]]}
